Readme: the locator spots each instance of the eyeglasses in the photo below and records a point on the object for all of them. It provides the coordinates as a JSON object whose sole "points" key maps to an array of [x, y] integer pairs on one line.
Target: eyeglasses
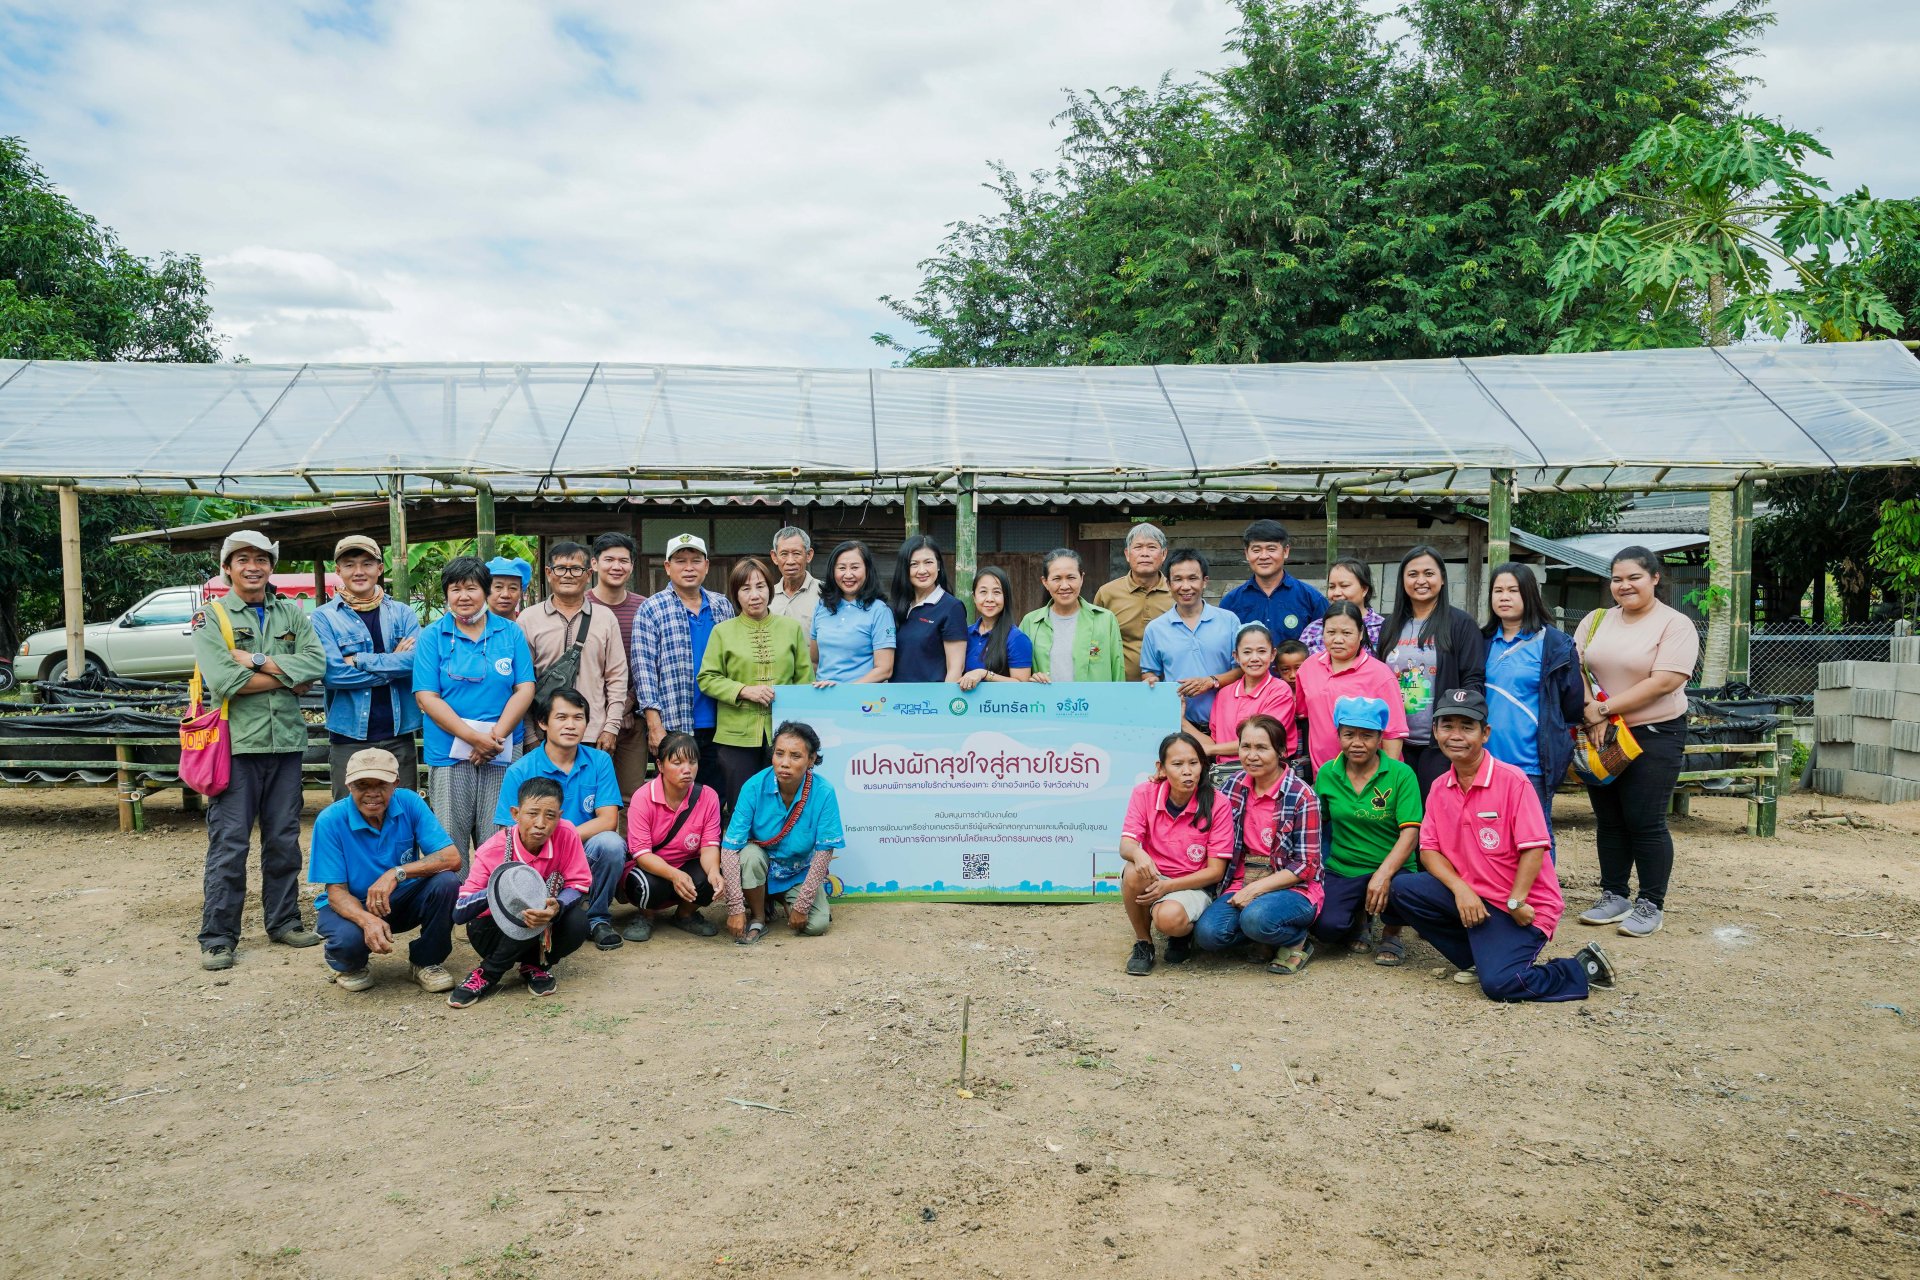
{"points": [[566, 570]]}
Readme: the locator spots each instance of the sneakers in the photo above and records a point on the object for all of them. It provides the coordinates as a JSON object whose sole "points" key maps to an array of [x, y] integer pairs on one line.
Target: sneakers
{"points": [[1140, 963], [638, 929], [296, 935], [432, 977], [1644, 921], [216, 957], [1611, 909], [605, 936], [359, 980], [696, 924], [1594, 961], [1179, 950], [476, 988], [539, 981], [1468, 976]]}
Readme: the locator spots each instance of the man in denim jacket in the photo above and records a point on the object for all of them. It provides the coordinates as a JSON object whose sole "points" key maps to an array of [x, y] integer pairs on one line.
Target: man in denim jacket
{"points": [[368, 637]]}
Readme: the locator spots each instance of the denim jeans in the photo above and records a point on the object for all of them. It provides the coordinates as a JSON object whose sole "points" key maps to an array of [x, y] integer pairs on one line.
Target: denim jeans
{"points": [[1276, 919], [607, 855], [426, 905]]}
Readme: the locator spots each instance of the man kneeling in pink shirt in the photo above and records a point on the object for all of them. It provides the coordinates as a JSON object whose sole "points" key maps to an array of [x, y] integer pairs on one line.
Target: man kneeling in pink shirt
{"points": [[1486, 897]]}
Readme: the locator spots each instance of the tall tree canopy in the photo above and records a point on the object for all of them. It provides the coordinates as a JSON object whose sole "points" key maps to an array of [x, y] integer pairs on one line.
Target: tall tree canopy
{"points": [[70, 291], [1332, 193]]}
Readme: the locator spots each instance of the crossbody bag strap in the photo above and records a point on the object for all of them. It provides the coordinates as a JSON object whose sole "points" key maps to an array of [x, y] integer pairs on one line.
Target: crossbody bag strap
{"points": [[198, 684], [793, 814], [1593, 629]]}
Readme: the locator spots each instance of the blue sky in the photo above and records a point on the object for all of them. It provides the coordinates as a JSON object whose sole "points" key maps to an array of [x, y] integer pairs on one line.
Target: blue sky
{"points": [[723, 182]]}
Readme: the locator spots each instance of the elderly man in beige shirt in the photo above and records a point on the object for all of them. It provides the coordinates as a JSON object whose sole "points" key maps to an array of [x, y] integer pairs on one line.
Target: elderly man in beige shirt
{"points": [[797, 594], [551, 628]]}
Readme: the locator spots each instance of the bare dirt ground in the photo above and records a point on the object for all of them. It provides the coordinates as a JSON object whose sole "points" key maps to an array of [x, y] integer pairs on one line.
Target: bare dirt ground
{"points": [[1743, 1104]]}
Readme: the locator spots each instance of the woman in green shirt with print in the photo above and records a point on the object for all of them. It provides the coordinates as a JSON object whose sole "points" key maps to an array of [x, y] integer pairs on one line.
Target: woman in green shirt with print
{"points": [[1072, 640], [747, 657]]}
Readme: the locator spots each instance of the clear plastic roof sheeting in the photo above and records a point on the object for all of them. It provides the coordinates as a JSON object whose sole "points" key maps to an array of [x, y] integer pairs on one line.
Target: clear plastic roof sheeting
{"points": [[1616, 419]]}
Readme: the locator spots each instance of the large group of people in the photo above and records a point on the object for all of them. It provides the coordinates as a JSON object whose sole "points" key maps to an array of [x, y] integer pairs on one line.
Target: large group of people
{"points": [[1335, 776]]}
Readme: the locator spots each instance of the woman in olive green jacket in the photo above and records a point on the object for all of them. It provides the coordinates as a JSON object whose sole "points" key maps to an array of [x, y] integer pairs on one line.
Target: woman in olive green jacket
{"points": [[1072, 640], [747, 657]]}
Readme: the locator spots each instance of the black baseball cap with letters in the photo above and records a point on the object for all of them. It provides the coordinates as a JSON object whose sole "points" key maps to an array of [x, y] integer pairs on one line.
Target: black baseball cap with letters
{"points": [[1468, 704]]}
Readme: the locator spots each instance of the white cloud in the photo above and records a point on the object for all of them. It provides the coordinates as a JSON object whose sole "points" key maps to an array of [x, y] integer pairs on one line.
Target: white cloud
{"points": [[724, 181]]}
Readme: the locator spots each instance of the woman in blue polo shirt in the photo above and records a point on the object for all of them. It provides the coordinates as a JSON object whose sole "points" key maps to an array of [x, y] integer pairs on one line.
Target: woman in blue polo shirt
{"points": [[930, 626], [473, 678], [1534, 687], [853, 636], [784, 832], [996, 649]]}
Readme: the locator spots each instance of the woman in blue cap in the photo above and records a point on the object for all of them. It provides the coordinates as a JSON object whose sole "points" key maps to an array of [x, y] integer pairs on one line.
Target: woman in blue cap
{"points": [[1372, 806], [512, 577]]}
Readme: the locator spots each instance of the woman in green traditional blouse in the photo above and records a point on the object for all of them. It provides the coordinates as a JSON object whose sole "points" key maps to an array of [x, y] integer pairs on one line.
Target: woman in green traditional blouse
{"points": [[748, 655]]}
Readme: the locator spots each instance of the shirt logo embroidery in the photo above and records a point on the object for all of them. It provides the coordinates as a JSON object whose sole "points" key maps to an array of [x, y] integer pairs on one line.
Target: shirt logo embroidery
{"points": [[1291, 621], [1196, 851], [1489, 839], [690, 841], [503, 665]]}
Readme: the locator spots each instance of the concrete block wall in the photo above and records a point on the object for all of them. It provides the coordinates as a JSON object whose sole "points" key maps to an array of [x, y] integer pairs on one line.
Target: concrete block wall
{"points": [[1867, 721]]}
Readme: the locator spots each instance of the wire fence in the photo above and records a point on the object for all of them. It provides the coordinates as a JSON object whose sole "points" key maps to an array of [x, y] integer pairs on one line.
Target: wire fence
{"points": [[1787, 664]]}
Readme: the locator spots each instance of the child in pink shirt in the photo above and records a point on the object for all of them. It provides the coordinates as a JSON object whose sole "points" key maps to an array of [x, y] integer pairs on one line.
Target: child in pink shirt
{"points": [[1176, 841], [549, 844], [1258, 692]]}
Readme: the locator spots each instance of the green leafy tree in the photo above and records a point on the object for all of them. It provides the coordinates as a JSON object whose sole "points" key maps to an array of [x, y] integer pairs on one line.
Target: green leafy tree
{"points": [[1896, 548], [70, 291], [1331, 194], [1698, 219]]}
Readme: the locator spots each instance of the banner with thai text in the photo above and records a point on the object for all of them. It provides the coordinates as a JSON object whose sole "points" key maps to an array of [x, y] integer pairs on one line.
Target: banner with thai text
{"points": [[1010, 792]]}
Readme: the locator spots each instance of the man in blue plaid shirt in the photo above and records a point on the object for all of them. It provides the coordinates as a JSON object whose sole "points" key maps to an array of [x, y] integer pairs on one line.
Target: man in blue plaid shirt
{"points": [[670, 634]]}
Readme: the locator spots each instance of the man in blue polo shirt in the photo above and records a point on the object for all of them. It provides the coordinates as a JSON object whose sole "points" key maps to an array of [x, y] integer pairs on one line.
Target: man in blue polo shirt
{"points": [[1191, 642], [589, 799], [1272, 595], [387, 866]]}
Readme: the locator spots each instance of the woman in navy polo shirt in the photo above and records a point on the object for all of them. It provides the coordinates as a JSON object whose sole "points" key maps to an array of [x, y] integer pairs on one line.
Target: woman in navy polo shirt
{"points": [[996, 649], [930, 626]]}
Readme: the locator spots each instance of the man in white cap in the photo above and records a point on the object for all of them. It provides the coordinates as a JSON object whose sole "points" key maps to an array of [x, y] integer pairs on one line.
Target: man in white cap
{"points": [[257, 652], [386, 867], [368, 637], [670, 635]]}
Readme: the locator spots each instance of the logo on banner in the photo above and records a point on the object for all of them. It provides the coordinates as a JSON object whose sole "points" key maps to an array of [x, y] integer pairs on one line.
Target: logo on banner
{"points": [[958, 706]]}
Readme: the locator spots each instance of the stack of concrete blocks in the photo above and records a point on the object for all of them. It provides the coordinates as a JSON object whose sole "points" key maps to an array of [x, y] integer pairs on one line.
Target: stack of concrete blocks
{"points": [[1867, 719]]}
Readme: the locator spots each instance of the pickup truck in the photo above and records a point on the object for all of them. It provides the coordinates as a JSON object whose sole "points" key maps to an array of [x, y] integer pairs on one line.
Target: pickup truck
{"points": [[151, 641]]}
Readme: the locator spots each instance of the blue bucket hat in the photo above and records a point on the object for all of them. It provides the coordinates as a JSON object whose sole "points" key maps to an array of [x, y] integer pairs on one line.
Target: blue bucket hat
{"points": [[1361, 713], [502, 567]]}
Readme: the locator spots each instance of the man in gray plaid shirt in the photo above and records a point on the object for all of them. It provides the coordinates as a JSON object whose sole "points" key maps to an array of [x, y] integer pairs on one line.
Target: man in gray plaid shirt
{"points": [[670, 634]]}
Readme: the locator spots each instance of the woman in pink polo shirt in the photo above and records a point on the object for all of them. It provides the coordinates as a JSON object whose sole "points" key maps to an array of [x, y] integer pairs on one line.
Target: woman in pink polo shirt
{"points": [[1258, 692], [673, 845], [1344, 669], [1176, 843]]}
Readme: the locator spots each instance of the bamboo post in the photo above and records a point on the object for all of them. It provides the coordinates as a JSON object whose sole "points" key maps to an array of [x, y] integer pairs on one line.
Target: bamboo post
{"points": [[131, 819], [966, 538], [1333, 528], [1740, 582], [911, 515], [319, 582], [1720, 558], [484, 539], [76, 609], [397, 581], [1499, 520]]}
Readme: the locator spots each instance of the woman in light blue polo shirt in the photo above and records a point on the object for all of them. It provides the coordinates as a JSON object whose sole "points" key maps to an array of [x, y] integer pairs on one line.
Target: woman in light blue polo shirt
{"points": [[473, 678], [853, 632]]}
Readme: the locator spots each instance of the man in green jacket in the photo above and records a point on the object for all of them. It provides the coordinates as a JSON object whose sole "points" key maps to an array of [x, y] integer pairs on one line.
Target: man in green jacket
{"points": [[1072, 640], [271, 658]]}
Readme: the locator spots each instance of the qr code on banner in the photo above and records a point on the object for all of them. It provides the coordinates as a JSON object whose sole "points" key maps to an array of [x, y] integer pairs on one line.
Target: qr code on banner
{"points": [[976, 865]]}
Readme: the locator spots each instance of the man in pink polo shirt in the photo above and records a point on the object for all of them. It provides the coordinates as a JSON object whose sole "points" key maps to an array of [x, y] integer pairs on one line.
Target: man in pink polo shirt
{"points": [[1486, 897]]}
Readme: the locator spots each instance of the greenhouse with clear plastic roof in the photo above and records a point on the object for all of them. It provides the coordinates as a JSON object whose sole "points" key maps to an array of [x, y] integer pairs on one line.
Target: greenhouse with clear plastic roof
{"points": [[1480, 430]]}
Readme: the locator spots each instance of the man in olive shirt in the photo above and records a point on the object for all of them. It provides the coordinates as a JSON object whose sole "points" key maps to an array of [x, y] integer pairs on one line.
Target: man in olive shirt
{"points": [[272, 658], [1142, 595]]}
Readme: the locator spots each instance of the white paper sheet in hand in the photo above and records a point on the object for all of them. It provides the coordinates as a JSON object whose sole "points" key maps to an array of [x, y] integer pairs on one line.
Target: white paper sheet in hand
{"points": [[463, 750]]}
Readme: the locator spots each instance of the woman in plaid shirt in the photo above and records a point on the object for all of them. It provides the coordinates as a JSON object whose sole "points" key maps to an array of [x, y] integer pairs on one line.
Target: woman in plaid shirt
{"points": [[1276, 816]]}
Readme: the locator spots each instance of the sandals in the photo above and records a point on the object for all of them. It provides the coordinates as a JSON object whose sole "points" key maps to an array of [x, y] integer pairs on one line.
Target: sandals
{"points": [[755, 928], [1390, 951], [1294, 961]]}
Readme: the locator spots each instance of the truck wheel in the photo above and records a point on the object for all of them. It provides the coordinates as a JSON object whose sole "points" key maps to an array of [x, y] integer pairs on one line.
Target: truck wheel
{"points": [[58, 670]]}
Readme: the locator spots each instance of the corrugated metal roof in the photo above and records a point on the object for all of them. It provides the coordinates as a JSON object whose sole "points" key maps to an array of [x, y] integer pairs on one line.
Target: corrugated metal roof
{"points": [[1594, 552]]}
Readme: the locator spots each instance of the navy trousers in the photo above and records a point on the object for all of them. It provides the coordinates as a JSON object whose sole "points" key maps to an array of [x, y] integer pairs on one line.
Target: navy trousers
{"points": [[426, 905], [1505, 954], [1345, 907]]}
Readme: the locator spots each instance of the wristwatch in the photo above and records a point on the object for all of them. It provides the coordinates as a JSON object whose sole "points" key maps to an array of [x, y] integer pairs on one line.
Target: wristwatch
{"points": [[259, 660], [1513, 904]]}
